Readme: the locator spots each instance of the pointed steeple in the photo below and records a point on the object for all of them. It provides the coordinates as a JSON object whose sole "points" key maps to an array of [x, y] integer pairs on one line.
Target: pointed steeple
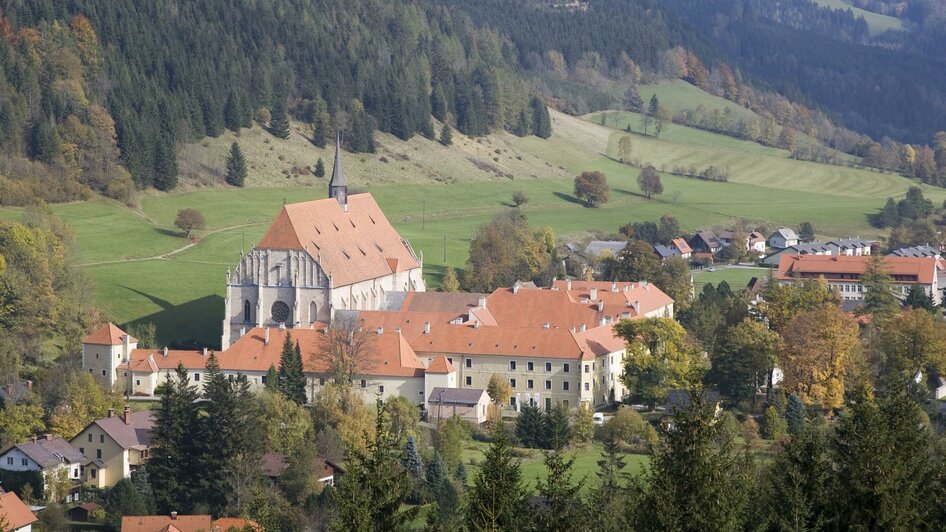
{"points": [[338, 185]]}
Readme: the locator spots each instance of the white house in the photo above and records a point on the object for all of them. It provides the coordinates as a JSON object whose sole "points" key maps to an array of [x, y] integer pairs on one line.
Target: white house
{"points": [[51, 455], [15, 515], [783, 238], [852, 247]]}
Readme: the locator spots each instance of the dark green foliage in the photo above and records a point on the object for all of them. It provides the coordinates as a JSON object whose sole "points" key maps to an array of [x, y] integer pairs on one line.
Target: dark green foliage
{"points": [[806, 232], [632, 100], [319, 168], [123, 499], [291, 381], [608, 500], [279, 113], [370, 494], [435, 471], [361, 137], [174, 467], [233, 113], [498, 499], [460, 475], [319, 132], [15, 481], [888, 216], [165, 164], [795, 415], [142, 483], [272, 379], [918, 298], [522, 125], [411, 461], [541, 121], [45, 143], [558, 431], [236, 166], [531, 427], [446, 513], [565, 506], [446, 135], [773, 425]]}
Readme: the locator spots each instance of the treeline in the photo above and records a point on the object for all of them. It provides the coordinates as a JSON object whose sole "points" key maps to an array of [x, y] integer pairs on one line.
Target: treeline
{"points": [[175, 73]]}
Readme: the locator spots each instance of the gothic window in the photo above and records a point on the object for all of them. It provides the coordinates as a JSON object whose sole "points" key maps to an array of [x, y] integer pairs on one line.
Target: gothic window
{"points": [[280, 312], [246, 310], [313, 312]]}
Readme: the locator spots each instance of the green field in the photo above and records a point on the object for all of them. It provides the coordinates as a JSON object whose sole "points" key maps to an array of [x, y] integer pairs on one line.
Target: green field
{"points": [[141, 273], [875, 21], [737, 278]]}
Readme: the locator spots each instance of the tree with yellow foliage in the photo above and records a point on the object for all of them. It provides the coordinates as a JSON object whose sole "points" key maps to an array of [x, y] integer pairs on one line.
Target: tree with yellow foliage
{"points": [[820, 347]]}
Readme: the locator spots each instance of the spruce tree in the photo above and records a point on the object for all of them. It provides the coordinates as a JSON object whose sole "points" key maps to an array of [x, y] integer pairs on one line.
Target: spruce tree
{"points": [[142, 483], [231, 113], [541, 121], [411, 461], [796, 486], [369, 496], [319, 132], [279, 115], [174, 467], [319, 168], [531, 427], [522, 124], [558, 430], [609, 499], [565, 507], [291, 377], [435, 471], [236, 166], [45, 144], [795, 415], [773, 426], [272, 379], [446, 135], [498, 499], [165, 164], [879, 300]]}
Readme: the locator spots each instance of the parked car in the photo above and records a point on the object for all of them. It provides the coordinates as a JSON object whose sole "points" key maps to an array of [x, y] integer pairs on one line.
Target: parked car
{"points": [[599, 418]]}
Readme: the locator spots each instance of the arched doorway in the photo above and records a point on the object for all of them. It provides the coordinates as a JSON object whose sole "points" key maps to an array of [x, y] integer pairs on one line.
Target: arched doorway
{"points": [[313, 313]]}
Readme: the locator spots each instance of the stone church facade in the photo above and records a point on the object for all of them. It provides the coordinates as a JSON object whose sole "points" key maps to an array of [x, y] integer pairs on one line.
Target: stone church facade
{"points": [[317, 257]]}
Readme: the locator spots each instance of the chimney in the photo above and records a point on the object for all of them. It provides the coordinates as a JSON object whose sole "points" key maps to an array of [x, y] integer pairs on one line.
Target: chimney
{"points": [[33, 439], [111, 412], [644, 284], [49, 437], [637, 307], [126, 347], [547, 325], [600, 306], [581, 328], [476, 325], [397, 330], [380, 331], [126, 417], [602, 322], [165, 352], [614, 287], [593, 293], [173, 515], [426, 327], [204, 353], [242, 332], [483, 302], [266, 336], [568, 284], [515, 288]]}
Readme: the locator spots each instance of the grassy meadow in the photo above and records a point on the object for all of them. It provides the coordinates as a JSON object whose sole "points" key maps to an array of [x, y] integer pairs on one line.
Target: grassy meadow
{"points": [[437, 196], [876, 22]]}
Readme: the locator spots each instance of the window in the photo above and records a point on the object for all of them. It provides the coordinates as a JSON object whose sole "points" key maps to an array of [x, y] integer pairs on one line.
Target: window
{"points": [[565, 368], [565, 403], [101, 438], [103, 372], [364, 383], [381, 388], [548, 403], [98, 453], [469, 381], [512, 365], [9, 460], [587, 386], [450, 360], [90, 437], [565, 386], [548, 366], [75, 473], [321, 381], [512, 383], [548, 385], [25, 461], [92, 472], [263, 378], [529, 384], [530, 366], [469, 362], [137, 382], [512, 401], [124, 374], [96, 355], [197, 377], [586, 368], [81, 450], [246, 310]]}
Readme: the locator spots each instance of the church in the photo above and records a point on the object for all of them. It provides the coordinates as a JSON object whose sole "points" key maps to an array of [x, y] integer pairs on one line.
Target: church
{"points": [[338, 253]]}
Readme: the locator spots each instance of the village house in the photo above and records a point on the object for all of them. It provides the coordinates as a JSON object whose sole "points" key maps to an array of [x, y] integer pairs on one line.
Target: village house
{"points": [[783, 238], [114, 446], [844, 273], [678, 247], [53, 456], [15, 516], [916, 251], [183, 523], [809, 248], [317, 257], [853, 247], [274, 465], [753, 241], [706, 241], [105, 350], [469, 404], [599, 248]]}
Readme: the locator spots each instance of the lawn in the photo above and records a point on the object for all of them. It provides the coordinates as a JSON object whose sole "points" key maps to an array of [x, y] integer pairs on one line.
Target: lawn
{"points": [[533, 467], [737, 278], [875, 21]]}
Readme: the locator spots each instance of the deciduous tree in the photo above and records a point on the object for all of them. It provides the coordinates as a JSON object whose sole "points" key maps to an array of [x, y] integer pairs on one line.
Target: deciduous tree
{"points": [[660, 358], [189, 220], [625, 149], [592, 188], [649, 182]]}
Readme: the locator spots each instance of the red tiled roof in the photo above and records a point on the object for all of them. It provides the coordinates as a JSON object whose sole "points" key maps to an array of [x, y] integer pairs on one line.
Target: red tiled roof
{"points": [[682, 245], [160, 523], [352, 246], [238, 523], [502, 341], [904, 269], [14, 513], [108, 334], [440, 364]]}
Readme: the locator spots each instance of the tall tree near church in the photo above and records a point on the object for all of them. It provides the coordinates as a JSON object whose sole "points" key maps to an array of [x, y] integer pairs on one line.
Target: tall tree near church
{"points": [[498, 499], [291, 377], [174, 466], [236, 166]]}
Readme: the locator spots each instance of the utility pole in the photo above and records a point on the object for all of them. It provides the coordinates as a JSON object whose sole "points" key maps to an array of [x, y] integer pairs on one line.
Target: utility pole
{"points": [[423, 216], [445, 247]]}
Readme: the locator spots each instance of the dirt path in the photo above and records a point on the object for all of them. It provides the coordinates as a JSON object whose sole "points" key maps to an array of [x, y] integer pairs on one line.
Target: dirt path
{"points": [[169, 254]]}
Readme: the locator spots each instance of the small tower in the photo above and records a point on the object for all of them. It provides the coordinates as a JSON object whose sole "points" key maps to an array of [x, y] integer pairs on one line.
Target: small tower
{"points": [[338, 186]]}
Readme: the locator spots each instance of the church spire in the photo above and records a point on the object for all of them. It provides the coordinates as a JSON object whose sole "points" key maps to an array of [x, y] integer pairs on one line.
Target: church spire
{"points": [[338, 186]]}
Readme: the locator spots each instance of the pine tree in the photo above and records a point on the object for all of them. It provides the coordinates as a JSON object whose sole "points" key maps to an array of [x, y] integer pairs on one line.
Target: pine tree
{"points": [[291, 377], [319, 132], [773, 426], [232, 113], [565, 507], [369, 496], [142, 483], [522, 125], [795, 415], [531, 428], [411, 461], [446, 135], [435, 471], [319, 168], [608, 498], [917, 298], [796, 486], [498, 499], [236, 166], [272, 379], [879, 300], [446, 512], [541, 121], [558, 431], [120, 500], [279, 115], [651, 113], [45, 143], [460, 474], [165, 165], [889, 216], [174, 466]]}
